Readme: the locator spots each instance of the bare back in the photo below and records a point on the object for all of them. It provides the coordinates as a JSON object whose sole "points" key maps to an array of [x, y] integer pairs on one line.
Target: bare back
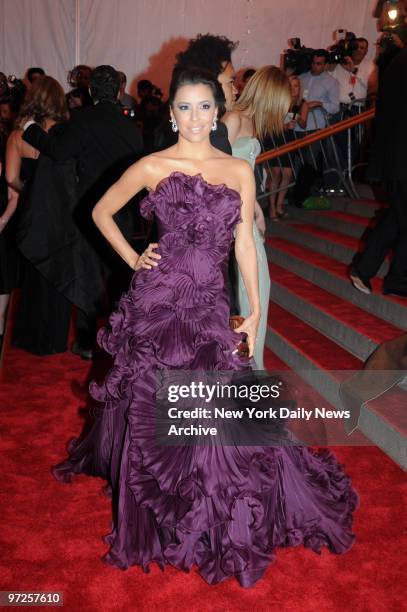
{"points": [[239, 125], [17, 148]]}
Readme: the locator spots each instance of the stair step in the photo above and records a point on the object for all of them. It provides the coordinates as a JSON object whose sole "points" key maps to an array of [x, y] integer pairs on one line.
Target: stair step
{"points": [[319, 350], [323, 364], [334, 244], [336, 221], [273, 362], [348, 325], [331, 275], [309, 398], [363, 208]]}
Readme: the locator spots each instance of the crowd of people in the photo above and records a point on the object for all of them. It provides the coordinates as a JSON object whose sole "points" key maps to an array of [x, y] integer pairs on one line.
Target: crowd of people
{"points": [[62, 154], [80, 142]]}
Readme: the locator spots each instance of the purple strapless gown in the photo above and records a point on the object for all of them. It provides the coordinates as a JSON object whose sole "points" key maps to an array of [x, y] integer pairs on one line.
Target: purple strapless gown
{"points": [[223, 508]]}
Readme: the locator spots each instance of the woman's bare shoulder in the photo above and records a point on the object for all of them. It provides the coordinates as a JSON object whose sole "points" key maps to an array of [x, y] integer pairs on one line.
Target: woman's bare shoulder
{"points": [[16, 138], [232, 117], [237, 165], [15, 141], [164, 154], [150, 169], [235, 172], [159, 162]]}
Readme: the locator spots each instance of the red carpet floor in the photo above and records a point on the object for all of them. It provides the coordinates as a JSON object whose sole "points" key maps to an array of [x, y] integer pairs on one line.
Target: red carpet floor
{"points": [[51, 532]]}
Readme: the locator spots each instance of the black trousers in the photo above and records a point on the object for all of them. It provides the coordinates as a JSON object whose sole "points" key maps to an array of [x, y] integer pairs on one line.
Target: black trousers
{"points": [[42, 320], [389, 233], [85, 329], [117, 278]]}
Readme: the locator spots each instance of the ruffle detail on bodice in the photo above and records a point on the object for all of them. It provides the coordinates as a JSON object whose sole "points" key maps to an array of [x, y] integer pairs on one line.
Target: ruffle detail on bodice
{"points": [[179, 195]]}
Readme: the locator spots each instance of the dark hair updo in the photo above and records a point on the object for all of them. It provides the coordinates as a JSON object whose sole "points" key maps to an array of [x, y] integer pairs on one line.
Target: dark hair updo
{"points": [[207, 51], [192, 75]]}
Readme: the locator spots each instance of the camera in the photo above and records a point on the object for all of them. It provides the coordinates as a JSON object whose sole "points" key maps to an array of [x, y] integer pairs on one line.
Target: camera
{"points": [[386, 42], [297, 59], [343, 49], [15, 84]]}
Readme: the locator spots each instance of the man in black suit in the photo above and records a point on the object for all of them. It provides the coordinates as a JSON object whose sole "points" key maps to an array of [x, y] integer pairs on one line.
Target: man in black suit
{"points": [[103, 143], [388, 164]]}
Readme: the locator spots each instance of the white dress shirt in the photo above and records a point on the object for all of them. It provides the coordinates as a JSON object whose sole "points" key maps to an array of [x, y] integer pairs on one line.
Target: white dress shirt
{"points": [[355, 84]]}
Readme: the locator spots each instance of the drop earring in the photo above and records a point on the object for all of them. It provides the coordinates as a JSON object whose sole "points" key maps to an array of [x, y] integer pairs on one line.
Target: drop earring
{"points": [[214, 126], [174, 125]]}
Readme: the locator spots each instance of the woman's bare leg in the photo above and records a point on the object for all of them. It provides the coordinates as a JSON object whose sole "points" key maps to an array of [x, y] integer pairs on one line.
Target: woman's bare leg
{"points": [[287, 174], [275, 184]]}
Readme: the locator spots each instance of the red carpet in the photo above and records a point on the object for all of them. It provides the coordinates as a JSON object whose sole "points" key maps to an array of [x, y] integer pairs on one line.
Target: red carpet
{"points": [[360, 320], [342, 216], [305, 339], [51, 532], [326, 263], [321, 232]]}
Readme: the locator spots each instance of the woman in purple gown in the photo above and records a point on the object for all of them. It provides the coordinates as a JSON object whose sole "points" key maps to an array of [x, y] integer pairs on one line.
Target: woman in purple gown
{"points": [[223, 508]]}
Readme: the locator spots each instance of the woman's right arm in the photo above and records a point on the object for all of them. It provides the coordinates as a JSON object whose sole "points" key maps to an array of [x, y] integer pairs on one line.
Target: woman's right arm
{"points": [[246, 255], [136, 178], [12, 201]]}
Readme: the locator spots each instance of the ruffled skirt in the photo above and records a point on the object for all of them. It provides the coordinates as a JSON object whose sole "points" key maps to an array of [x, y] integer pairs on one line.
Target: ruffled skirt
{"points": [[224, 509]]}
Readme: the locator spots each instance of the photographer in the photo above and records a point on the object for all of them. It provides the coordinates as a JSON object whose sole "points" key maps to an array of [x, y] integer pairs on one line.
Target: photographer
{"points": [[144, 88], [394, 34], [126, 100], [321, 92], [356, 75], [357, 78]]}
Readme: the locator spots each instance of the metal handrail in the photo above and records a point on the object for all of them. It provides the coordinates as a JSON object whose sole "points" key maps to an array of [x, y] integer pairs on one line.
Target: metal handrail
{"points": [[316, 136]]}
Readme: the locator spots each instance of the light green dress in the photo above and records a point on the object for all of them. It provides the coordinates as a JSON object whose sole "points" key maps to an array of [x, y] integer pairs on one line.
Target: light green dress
{"points": [[249, 148]]}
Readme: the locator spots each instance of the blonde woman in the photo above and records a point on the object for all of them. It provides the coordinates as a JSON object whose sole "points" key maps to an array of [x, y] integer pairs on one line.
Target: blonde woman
{"points": [[281, 171], [260, 111]]}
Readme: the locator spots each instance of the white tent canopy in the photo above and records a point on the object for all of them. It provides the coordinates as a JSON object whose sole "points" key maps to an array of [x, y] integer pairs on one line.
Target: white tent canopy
{"points": [[141, 37]]}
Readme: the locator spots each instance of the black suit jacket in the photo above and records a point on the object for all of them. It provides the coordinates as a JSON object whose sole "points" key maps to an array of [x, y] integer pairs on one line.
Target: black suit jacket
{"points": [[58, 234], [388, 159], [101, 140]]}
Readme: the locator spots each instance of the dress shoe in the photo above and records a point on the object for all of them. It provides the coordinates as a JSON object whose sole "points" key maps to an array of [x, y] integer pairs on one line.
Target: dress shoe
{"points": [[361, 285], [85, 353]]}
